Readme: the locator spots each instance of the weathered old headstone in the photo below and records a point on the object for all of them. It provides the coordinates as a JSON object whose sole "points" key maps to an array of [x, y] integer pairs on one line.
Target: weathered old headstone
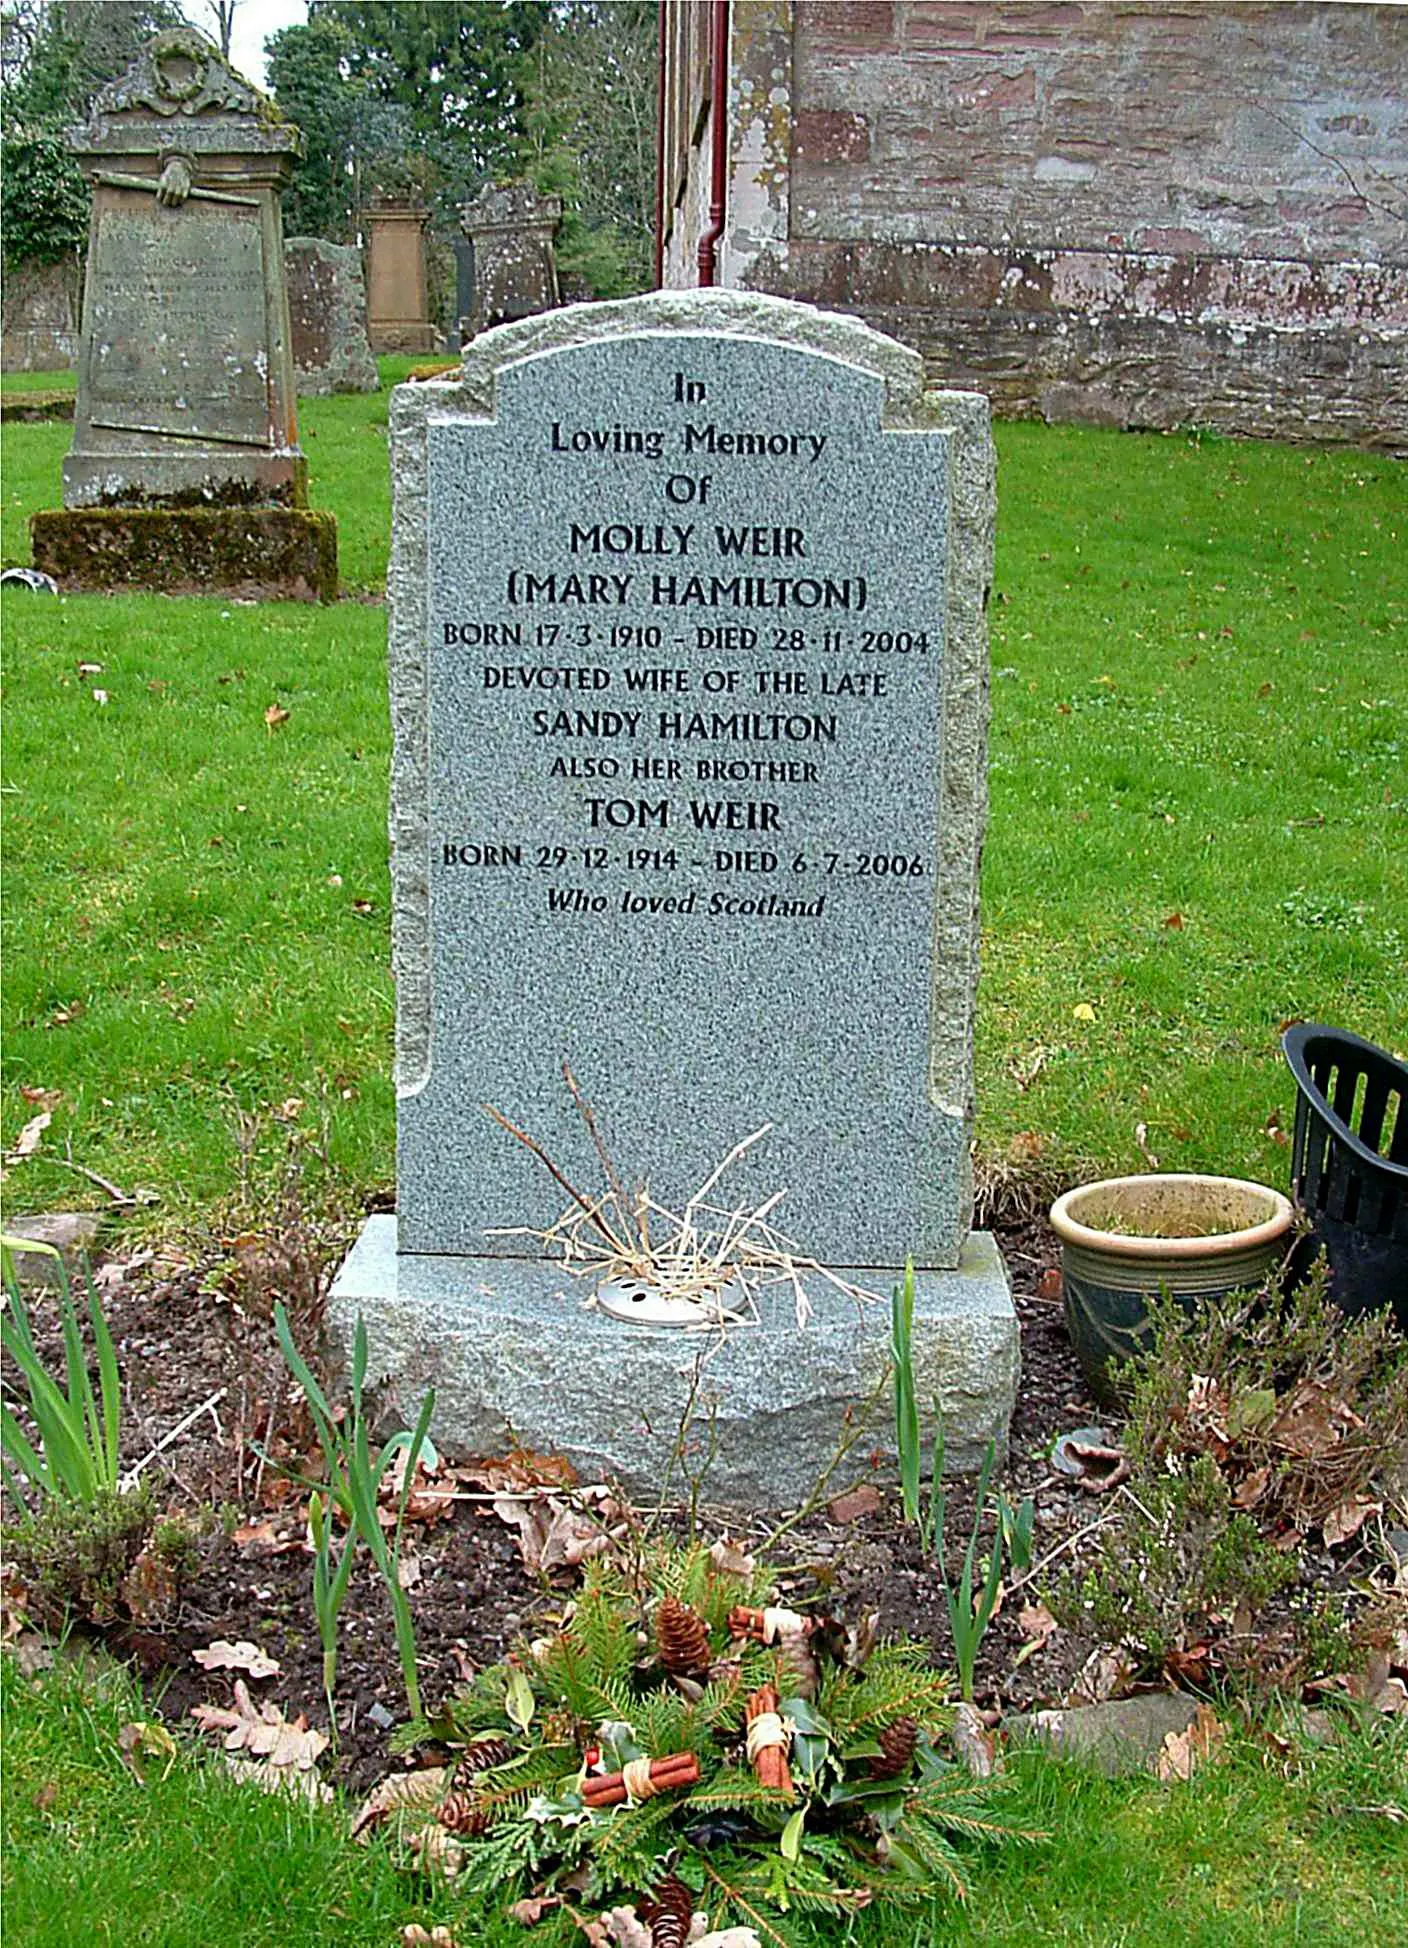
{"points": [[512, 229], [40, 316], [689, 679], [185, 379], [398, 289], [327, 308]]}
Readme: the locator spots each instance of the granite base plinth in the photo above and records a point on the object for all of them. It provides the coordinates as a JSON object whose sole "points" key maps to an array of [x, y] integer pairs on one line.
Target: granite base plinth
{"points": [[272, 553], [513, 1353]]}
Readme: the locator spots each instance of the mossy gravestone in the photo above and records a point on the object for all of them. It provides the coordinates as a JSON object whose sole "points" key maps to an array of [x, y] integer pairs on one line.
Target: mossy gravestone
{"points": [[689, 679], [185, 471]]}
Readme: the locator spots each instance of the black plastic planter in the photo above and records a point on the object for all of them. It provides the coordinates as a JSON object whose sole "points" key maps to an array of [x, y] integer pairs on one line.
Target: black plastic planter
{"points": [[1349, 1163]]}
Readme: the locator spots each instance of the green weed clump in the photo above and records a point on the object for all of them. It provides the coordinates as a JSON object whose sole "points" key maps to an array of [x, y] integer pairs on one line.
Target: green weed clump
{"points": [[75, 1558]]}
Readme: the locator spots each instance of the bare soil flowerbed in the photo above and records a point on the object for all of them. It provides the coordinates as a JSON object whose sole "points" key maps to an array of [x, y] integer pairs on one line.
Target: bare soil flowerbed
{"points": [[184, 1343]]}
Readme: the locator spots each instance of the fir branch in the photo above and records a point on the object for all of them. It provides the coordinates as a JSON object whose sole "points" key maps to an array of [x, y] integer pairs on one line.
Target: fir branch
{"points": [[735, 1899]]}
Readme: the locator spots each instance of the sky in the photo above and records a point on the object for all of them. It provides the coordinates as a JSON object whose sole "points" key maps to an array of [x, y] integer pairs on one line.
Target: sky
{"points": [[255, 20]]}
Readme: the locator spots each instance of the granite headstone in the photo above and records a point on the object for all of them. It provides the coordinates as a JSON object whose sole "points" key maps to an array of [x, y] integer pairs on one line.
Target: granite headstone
{"points": [[688, 665]]}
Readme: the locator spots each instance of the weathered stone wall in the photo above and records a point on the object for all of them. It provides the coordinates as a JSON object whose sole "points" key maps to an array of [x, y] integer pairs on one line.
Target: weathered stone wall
{"points": [[1136, 214]]}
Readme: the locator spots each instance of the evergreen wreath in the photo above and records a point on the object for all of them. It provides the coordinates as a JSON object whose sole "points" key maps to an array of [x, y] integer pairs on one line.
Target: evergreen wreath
{"points": [[570, 1725]]}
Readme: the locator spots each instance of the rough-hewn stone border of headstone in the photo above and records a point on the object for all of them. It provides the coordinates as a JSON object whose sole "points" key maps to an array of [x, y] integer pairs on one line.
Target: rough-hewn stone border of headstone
{"points": [[273, 553], [965, 702]]}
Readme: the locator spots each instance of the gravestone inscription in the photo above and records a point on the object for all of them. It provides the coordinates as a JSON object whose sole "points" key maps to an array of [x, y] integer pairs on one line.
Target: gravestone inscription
{"points": [[688, 682]]}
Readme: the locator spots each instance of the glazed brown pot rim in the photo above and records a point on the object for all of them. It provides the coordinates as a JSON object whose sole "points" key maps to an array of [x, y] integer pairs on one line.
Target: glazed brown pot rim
{"points": [[1071, 1231]]}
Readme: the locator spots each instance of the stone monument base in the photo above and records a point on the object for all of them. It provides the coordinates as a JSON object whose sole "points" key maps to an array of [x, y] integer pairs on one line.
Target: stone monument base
{"points": [[513, 1354], [273, 553], [391, 340]]}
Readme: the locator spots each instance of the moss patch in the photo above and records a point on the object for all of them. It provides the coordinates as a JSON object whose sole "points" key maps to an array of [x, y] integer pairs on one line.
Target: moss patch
{"points": [[272, 553], [36, 405]]}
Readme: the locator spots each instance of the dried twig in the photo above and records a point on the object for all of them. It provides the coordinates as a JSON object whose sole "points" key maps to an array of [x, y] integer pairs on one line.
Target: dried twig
{"points": [[592, 1211], [174, 1433]]}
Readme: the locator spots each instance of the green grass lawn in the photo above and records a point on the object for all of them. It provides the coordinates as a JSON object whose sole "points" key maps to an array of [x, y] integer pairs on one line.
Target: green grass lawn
{"points": [[1197, 828], [1262, 1848]]}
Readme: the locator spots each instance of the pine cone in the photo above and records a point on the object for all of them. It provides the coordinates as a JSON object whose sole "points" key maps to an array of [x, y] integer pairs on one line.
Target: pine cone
{"points": [[682, 1638], [459, 1812], [482, 1754], [897, 1743], [668, 1911]]}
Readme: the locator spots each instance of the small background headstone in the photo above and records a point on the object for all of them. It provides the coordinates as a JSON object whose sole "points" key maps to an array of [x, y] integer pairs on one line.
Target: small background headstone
{"points": [[398, 292], [186, 403], [327, 304], [512, 229]]}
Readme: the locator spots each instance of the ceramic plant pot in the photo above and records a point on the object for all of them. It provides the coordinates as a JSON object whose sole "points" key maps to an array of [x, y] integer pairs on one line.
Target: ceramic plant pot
{"points": [[1127, 1238]]}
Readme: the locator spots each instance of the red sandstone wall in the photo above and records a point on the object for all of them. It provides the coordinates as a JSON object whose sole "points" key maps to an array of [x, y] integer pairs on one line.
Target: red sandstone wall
{"points": [[1140, 214]]}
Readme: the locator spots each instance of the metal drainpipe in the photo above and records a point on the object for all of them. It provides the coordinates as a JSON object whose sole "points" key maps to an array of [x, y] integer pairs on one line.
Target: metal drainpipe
{"points": [[718, 172], [660, 157]]}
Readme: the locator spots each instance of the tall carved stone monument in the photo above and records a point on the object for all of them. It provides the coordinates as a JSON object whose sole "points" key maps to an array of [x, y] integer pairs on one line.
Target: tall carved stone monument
{"points": [[398, 286], [689, 690], [185, 470]]}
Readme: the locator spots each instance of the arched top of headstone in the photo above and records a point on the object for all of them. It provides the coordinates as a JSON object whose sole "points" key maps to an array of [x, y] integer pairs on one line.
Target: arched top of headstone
{"points": [[180, 92], [722, 313]]}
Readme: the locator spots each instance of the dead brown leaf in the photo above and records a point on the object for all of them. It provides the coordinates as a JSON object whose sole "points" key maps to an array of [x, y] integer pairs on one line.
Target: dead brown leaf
{"points": [[242, 1656], [274, 716], [1184, 1752], [530, 1911], [32, 1135], [413, 1935], [1036, 1623], [556, 1534], [14, 1603], [432, 1495], [272, 1538], [1105, 1674], [1376, 1687], [435, 1851], [864, 1499], [520, 1469], [262, 1732], [1312, 1422], [401, 1792], [1348, 1518], [729, 1558], [1250, 1491]]}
